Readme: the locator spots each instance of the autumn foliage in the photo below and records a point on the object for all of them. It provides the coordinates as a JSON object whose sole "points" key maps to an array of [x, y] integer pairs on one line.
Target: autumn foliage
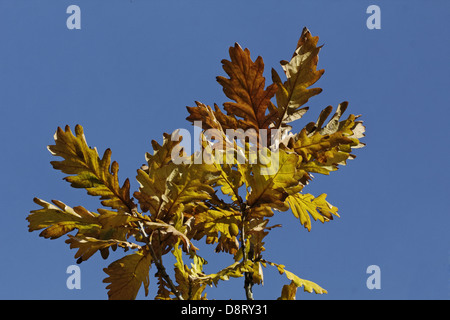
{"points": [[227, 204]]}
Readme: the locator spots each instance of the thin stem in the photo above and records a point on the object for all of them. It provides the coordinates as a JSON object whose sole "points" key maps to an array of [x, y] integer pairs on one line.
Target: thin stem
{"points": [[158, 261], [163, 273], [248, 276]]}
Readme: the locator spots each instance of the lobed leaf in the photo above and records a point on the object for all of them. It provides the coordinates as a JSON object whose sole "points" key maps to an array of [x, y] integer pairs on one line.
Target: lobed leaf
{"points": [[304, 205], [58, 219], [246, 86], [323, 148], [97, 175], [218, 226], [188, 284], [166, 187], [87, 246], [301, 73], [270, 184], [296, 282], [127, 275], [95, 232]]}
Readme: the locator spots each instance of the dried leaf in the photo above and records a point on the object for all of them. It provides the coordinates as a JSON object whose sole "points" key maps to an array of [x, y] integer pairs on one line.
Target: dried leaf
{"points": [[301, 73], [246, 86], [307, 285], [126, 275], [304, 205], [98, 176], [59, 219], [87, 246], [271, 183]]}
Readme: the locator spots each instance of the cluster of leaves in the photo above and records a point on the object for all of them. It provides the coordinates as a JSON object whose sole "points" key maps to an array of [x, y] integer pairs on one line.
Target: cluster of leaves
{"points": [[227, 203]]}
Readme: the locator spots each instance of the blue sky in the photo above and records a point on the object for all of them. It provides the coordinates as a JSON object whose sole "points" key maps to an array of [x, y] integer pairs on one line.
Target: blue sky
{"points": [[127, 76]]}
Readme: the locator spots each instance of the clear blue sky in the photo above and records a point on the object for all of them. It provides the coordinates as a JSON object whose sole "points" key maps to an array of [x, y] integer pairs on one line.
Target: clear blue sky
{"points": [[127, 76]]}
